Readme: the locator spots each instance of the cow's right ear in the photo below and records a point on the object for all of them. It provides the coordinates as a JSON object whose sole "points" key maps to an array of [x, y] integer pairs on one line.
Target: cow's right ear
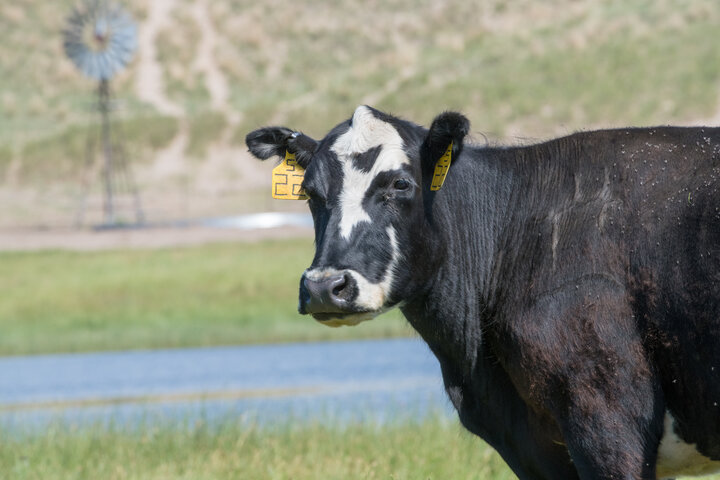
{"points": [[443, 144], [268, 142]]}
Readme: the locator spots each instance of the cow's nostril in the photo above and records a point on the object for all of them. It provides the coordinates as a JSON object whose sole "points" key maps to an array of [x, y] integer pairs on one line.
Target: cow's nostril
{"points": [[338, 286]]}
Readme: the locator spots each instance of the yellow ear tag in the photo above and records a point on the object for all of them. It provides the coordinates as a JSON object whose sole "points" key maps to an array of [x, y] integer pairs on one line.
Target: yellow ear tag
{"points": [[441, 169], [287, 179]]}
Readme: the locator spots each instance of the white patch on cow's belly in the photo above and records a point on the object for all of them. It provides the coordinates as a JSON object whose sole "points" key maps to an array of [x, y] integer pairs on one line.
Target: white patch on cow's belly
{"points": [[366, 132], [677, 458]]}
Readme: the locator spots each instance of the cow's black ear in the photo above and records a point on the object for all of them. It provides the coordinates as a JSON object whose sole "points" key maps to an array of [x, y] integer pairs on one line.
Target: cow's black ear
{"points": [[446, 128], [268, 142]]}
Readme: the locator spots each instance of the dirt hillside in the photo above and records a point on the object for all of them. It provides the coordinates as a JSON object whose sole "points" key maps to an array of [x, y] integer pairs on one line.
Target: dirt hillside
{"points": [[207, 72]]}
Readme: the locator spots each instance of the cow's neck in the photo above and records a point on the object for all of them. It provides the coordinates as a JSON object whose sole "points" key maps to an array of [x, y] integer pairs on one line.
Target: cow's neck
{"points": [[467, 221], [457, 311]]}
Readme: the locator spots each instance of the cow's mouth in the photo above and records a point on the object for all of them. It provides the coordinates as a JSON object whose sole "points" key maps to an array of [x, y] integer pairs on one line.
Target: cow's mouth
{"points": [[343, 319]]}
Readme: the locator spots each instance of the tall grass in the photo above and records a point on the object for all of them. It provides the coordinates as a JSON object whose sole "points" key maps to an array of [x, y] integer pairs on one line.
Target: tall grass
{"points": [[431, 449]]}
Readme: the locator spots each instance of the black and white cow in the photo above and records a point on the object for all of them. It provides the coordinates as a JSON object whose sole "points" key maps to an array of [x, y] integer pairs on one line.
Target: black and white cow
{"points": [[570, 289]]}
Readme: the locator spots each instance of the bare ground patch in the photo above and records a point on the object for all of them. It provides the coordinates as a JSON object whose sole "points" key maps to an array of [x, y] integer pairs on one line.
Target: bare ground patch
{"points": [[124, 238]]}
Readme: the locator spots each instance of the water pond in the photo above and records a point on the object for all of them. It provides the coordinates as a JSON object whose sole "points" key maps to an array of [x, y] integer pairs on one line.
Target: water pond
{"points": [[376, 380]]}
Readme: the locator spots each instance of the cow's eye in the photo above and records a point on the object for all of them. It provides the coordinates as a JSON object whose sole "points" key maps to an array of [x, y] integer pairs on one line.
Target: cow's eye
{"points": [[401, 184]]}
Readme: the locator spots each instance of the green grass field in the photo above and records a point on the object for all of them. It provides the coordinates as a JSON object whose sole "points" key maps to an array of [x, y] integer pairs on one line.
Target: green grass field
{"points": [[431, 449], [55, 301]]}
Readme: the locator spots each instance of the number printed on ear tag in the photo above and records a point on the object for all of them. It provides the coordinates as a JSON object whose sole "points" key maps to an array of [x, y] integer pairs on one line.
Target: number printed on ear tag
{"points": [[287, 179], [441, 169]]}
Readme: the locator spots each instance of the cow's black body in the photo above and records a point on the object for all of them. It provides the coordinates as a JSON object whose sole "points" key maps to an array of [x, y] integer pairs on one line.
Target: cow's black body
{"points": [[579, 285], [570, 291]]}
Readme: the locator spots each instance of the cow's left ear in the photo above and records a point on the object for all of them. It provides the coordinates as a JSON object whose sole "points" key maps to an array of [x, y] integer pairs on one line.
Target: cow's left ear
{"points": [[442, 145], [269, 142]]}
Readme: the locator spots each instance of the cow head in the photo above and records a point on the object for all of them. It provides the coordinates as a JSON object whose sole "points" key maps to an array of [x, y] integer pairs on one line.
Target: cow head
{"points": [[368, 184]]}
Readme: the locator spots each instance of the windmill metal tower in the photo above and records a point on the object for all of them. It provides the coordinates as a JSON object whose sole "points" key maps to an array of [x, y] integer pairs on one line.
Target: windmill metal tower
{"points": [[100, 38]]}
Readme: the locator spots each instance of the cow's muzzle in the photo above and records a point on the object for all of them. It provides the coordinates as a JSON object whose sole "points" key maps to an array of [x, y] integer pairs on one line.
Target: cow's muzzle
{"points": [[327, 296]]}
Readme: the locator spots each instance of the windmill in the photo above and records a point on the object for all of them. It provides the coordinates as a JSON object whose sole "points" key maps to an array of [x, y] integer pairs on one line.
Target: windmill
{"points": [[100, 38]]}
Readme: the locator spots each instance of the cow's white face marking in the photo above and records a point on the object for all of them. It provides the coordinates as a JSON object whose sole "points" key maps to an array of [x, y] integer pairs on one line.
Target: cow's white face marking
{"points": [[366, 132], [371, 296], [677, 458]]}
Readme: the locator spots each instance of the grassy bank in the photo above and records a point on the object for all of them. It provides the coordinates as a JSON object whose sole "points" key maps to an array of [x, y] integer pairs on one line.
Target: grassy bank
{"points": [[57, 301], [432, 449]]}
